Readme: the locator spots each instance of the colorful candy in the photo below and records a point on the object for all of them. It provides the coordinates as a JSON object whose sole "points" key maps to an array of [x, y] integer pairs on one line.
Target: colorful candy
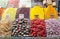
{"points": [[52, 27], [20, 27], [37, 28]]}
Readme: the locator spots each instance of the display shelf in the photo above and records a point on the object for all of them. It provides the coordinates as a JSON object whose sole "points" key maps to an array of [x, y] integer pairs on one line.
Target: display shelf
{"points": [[29, 37]]}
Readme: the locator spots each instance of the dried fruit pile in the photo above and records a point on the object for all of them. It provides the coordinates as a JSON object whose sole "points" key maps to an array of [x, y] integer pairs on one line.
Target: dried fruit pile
{"points": [[52, 27], [20, 27], [37, 28]]}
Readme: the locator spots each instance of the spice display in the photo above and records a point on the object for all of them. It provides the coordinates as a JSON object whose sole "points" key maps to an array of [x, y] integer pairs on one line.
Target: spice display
{"points": [[50, 10], [20, 27], [36, 10], [37, 27], [9, 13]]}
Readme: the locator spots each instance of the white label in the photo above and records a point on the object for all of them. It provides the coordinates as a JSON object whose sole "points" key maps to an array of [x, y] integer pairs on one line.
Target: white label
{"points": [[21, 16], [7, 16]]}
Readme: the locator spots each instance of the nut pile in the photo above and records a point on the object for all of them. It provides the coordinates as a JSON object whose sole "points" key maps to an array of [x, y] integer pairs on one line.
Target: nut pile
{"points": [[37, 28], [20, 27]]}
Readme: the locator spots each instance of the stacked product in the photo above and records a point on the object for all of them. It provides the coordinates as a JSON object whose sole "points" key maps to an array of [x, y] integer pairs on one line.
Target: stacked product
{"points": [[36, 10], [5, 27], [50, 10], [52, 27], [37, 27], [9, 13], [20, 27], [21, 24]]}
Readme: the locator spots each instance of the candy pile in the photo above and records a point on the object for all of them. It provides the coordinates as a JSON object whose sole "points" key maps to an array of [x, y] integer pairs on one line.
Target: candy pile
{"points": [[52, 27], [37, 28], [20, 27], [5, 27]]}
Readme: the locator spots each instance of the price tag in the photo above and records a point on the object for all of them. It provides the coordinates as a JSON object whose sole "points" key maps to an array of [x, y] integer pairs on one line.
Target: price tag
{"points": [[7, 16], [21, 16]]}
